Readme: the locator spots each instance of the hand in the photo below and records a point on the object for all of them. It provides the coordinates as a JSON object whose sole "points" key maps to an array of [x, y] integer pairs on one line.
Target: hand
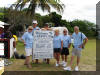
{"points": [[61, 48], [68, 47], [80, 46], [24, 44]]}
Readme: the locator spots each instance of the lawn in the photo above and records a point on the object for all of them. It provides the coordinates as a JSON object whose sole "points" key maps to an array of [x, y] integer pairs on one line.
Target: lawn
{"points": [[88, 60]]}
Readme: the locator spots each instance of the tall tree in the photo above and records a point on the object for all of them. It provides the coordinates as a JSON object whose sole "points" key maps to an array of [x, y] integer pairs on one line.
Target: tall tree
{"points": [[43, 4]]}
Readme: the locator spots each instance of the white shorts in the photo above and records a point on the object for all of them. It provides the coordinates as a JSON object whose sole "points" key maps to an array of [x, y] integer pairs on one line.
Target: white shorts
{"points": [[28, 51]]}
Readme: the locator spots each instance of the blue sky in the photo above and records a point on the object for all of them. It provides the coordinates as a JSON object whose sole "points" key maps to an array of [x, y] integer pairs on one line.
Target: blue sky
{"points": [[75, 9]]}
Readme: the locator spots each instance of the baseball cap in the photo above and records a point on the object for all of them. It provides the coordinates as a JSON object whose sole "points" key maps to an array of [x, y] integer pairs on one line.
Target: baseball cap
{"points": [[34, 21]]}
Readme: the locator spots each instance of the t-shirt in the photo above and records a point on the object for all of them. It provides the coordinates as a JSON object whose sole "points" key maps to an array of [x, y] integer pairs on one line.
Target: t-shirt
{"points": [[66, 40], [28, 38], [37, 28], [78, 39], [57, 41]]}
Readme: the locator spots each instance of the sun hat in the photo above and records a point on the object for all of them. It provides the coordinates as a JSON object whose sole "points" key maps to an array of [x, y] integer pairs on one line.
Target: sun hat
{"points": [[30, 27]]}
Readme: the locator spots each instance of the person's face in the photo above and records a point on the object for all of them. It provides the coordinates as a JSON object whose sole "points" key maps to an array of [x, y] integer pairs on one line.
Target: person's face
{"points": [[65, 32], [34, 25], [56, 33], [76, 30], [1, 30], [30, 30], [46, 27]]}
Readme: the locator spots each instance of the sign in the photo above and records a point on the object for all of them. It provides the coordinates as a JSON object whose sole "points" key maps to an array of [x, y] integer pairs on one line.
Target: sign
{"points": [[43, 44], [1, 49], [11, 47]]}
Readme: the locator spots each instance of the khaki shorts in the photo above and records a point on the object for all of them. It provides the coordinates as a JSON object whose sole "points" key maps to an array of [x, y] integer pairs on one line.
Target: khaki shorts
{"points": [[76, 52]]}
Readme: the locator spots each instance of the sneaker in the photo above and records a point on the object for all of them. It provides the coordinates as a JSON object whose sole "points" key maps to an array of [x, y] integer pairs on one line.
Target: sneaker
{"points": [[67, 68], [57, 65], [76, 68], [64, 65]]}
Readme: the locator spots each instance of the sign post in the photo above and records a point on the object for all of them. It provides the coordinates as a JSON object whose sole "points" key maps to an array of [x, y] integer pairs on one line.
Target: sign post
{"points": [[1, 49]]}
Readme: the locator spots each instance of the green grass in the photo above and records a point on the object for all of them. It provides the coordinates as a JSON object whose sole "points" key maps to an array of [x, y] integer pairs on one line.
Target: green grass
{"points": [[88, 60]]}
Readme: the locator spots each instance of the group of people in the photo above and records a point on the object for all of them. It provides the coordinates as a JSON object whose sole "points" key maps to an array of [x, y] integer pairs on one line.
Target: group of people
{"points": [[61, 45]]}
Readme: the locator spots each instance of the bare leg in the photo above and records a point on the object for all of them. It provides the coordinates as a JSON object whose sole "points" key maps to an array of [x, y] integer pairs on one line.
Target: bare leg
{"points": [[55, 55], [32, 61], [48, 61], [28, 62], [65, 58], [78, 60], [58, 57], [36, 61], [62, 56], [72, 58]]}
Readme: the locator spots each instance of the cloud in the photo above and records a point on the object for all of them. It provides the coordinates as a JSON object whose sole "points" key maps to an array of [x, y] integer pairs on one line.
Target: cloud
{"points": [[80, 9]]}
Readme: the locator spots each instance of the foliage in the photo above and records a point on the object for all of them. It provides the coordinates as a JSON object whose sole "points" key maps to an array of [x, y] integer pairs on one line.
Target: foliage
{"points": [[19, 21], [45, 5]]}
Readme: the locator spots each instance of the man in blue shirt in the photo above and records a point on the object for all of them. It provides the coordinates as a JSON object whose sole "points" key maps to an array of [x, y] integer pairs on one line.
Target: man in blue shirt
{"points": [[27, 39], [35, 23], [79, 42], [46, 28], [66, 45]]}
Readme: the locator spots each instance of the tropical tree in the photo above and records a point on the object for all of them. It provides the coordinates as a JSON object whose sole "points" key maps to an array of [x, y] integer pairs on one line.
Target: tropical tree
{"points": [[31, 5]]}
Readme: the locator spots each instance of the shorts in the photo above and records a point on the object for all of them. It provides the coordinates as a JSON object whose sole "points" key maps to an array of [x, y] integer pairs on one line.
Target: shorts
{"points": [[65, 51], [57, 50], [28, 51], [76, 52]]}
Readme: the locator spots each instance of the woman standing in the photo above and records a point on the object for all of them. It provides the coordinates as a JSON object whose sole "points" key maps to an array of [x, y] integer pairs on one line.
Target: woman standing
{"points": [[27, 39], [66, 45], [58, 45]]}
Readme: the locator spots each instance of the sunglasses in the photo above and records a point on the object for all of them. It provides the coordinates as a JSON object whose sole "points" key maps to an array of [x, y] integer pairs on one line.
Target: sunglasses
{"points": [[34, 23], [64, 31], [30, 29]]}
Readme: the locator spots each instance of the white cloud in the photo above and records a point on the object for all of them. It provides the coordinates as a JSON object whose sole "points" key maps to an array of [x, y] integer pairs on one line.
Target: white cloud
{"points": [[6, 2], [80, 9]]}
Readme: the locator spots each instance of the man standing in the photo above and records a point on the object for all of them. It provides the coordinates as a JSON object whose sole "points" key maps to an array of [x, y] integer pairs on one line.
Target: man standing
{"points": [[79, 42], [46, 28], [35, 23]]}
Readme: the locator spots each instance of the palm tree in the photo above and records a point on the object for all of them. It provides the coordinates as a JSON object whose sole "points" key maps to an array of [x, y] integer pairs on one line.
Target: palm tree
{"points": [[43, 4]]}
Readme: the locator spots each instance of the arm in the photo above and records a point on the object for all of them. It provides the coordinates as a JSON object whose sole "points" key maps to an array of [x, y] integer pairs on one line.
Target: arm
{"points": [[85, 41], [23, 38], [69, 42], [69, 45], [42, 29], [23, 41], [61, 45]]}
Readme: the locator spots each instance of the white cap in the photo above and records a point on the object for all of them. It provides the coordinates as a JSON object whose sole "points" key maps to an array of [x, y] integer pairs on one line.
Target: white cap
{"points": [[34, 21]]}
